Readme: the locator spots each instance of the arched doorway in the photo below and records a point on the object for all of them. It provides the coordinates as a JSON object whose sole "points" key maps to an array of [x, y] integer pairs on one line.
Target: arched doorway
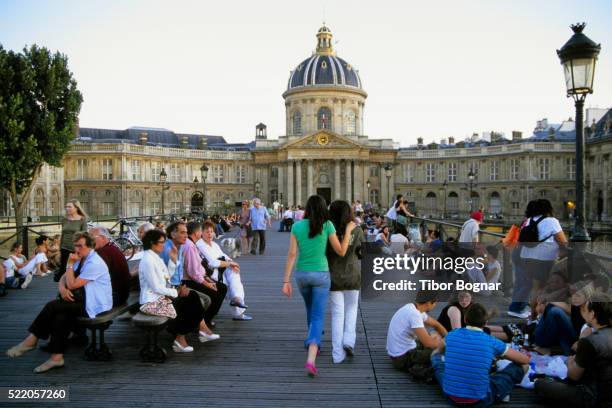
{"points": [[197, 202], [495, 204]]}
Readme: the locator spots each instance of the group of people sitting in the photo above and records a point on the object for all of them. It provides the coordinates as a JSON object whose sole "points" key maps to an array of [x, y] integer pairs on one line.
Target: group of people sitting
{"points": [[17, 271], [462, 347], [183, 274]]}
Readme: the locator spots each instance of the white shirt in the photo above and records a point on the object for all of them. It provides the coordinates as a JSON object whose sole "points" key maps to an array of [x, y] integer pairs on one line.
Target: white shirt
{"points": [[38, 259], [398, 243], [548, 249], [392, 213], [10, 266], [98, 291], [212, 253], [288, 214], [469, 231], [154, 277], [401, 337]]}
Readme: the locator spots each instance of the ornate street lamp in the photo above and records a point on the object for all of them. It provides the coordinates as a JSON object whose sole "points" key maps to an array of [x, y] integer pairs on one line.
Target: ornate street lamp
{"points": [[445, 185], [578, 57], [471, 177], [204, 174], [388, 173], [368, 185], [163, 176]]}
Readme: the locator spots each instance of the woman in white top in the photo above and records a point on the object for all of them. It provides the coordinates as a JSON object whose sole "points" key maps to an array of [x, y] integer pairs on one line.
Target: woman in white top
{"points": [[540, 258], [216, 259], [12, 264], [154, 283], [399, 240]]}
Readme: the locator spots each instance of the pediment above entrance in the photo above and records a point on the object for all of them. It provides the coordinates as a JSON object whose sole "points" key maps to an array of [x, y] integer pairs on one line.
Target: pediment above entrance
{"points": [[323, 139]]}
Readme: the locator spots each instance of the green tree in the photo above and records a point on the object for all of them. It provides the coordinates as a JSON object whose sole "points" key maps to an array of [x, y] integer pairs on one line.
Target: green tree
{"points": [[39, 108]]}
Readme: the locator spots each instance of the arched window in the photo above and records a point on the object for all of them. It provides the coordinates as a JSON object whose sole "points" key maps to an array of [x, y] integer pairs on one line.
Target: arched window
{"points": [[431, 202], [453, 202], [495, 203], [176, 202], [297, 122], [351, 127], [475, 200], [324, 119]]}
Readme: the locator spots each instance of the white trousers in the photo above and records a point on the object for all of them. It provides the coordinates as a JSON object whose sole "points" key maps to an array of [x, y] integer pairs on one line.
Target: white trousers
{"points": [[344, 305], [234, 288]]}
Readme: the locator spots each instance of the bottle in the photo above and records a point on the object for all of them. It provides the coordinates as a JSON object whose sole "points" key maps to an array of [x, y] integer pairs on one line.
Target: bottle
{"points": [[526, 341]]}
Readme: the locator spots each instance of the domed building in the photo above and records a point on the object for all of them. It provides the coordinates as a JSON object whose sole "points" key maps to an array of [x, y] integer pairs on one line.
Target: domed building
{"points": [[324, 148]]}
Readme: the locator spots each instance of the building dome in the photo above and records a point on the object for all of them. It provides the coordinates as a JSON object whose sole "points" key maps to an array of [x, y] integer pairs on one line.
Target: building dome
{"points": [[324, 68]]}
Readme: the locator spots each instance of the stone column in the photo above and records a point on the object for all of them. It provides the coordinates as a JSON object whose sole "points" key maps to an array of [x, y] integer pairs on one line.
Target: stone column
{"points": [[281, 184], [290, 184], [298, 183], [606, 166], [264, 173], [349, 181], [337, 192], [366, 174], [391, 185], [358, 182], [310, 178]]}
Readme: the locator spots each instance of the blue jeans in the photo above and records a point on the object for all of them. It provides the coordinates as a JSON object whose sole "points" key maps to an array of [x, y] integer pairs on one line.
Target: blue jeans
{"points": [[555, 328], [500, 383], [522, 283], [314, 287]]}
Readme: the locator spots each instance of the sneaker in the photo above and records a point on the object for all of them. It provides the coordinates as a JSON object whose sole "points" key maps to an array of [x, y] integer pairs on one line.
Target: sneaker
{"points": [[203, 337], [243, 316], [349, 351], [524, 314], [27, 281]]}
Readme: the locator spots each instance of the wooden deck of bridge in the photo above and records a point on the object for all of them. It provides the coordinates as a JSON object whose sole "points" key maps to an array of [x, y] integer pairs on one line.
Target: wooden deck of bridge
{"points": [[256, 363]]}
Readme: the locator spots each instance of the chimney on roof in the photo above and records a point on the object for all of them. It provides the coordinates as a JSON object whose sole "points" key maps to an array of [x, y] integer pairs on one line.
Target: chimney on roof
{"points": [[420, 141], [451, 140], [495, 137], [516, 135], [184, 141], [261, 131], [442, 141], [143, 138]]}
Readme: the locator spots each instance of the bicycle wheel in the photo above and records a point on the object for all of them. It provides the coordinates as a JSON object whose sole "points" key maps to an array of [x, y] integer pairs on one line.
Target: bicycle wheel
{"points": [[126, 247]]}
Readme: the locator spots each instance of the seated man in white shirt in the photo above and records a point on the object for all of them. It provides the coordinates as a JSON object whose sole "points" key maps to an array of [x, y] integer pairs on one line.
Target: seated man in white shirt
{"points": [[287, 221], [216, 259]]}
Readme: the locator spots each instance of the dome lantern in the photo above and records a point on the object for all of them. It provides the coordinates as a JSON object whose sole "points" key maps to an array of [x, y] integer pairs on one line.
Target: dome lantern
{"points": [[324, 41]]}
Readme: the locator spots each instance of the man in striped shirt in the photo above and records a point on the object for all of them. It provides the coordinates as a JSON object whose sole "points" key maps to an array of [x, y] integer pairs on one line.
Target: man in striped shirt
{"points": [[463, 369]]}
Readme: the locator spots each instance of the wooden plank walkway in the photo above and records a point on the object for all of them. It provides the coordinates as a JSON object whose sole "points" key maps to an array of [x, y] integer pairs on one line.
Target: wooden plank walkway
{"points": [[257, 363]]}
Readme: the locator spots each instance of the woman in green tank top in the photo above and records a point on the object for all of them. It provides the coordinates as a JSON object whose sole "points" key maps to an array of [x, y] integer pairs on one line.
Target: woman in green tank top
{"points": [[309, 239]]}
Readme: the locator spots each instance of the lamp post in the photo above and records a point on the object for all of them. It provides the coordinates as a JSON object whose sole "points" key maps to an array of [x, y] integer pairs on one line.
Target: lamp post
{"points": [[471, 177], [388, 170], [204, 174], [368, 185], [445, 185], [578, 57], [163, 176]]}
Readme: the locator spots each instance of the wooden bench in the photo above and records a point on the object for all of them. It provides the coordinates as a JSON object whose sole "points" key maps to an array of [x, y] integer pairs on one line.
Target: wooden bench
{"points": [[151, 352], [97, 350]]}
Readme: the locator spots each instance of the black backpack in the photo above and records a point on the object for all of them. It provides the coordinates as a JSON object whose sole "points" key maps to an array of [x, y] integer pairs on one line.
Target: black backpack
{"points": [[529, 235]]}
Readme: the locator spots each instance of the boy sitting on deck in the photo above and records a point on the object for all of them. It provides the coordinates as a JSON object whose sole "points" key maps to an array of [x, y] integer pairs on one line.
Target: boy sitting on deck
{"points": [[463, 369], [408, 343]]}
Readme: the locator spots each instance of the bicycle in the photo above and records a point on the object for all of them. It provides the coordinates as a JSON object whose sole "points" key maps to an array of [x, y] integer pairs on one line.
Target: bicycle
{"points": [[128, 242]]}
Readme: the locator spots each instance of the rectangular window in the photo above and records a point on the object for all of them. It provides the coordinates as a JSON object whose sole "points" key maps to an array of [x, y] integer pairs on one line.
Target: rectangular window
{"points": [[407, 173], [544, 168], [81, 169], [494, 174], [430, 172], [156, 207], [452, 172], [241, 174], [175, 172], [515, 167], [155, 170], [570, 164], [136, 175], [53, 173], [107, 170], [373, 171], [218, 173], [107, 208]]}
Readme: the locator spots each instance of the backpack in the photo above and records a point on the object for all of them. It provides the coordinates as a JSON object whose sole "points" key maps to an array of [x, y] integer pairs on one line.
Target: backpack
{"points": [[529, 235]]}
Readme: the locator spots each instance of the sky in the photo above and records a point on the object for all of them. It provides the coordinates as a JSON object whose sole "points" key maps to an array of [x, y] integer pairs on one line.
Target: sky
{"points": [[432, 69]]}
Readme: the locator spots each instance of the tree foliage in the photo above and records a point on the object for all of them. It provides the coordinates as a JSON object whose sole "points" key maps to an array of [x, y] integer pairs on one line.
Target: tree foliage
{"points": [[39, 108]]}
